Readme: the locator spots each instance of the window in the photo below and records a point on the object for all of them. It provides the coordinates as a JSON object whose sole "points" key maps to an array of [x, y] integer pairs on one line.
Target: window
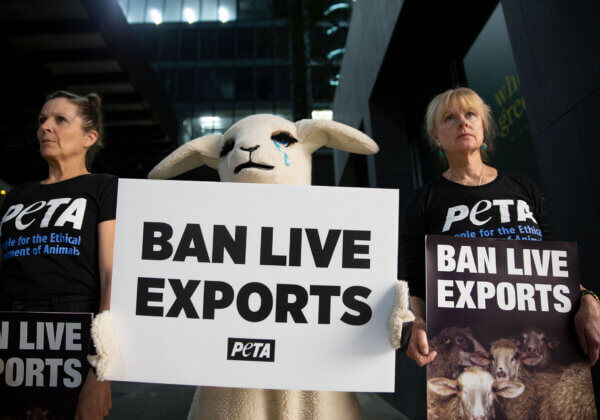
{"points": [[282, 82], [226, 85], [190, 11], [170, 45], [242, 110], [244, 83], [209, 10], [226, 43], [264, 42], [168, 78], [208, 44], [264, 83], [245, 42], [152, 44], [227, 10], [255, 9], [172, 10], [207, 83], [154, 12], [188, 44], [281, 40], [186, 85], [136, 11]]}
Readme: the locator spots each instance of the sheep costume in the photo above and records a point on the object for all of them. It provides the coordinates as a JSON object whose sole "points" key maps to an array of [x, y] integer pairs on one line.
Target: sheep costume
{"points": [[269, 149]]}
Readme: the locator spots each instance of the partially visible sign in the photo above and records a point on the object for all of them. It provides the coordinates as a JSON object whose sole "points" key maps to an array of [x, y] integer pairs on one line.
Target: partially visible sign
{"points": [[42, 362], [500, 316], [254, 285]]}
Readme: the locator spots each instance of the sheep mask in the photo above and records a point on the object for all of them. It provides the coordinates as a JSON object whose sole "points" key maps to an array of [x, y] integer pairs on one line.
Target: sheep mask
{"points": [[264, 149]]}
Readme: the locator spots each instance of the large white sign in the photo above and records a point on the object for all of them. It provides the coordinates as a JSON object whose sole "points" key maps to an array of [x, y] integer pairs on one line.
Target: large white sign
{"points": [[253, 285]]}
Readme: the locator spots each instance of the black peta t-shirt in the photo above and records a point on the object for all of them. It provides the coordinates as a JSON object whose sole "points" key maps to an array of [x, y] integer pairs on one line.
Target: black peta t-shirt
{"points": [[509, 207], [49, 237]]}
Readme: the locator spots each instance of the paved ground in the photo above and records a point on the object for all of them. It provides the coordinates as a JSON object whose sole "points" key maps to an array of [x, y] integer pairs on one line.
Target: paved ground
{"points": [[158, 402]]}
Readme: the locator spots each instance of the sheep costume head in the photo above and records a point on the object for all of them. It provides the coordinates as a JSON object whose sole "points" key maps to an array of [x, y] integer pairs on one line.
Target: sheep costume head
{"points": [[264, 149]]}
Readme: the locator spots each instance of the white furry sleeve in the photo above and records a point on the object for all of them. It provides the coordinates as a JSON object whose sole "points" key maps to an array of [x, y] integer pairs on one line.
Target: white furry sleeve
{"points": [[104, 341], [400, 314]]}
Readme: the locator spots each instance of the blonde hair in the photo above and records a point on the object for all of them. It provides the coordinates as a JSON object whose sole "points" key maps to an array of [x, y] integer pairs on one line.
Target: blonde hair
{"points": [[467, 98]]}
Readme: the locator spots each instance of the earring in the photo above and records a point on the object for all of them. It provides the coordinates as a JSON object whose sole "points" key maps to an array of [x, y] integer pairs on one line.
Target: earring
{"points": [[484, 147], [441, 152]]}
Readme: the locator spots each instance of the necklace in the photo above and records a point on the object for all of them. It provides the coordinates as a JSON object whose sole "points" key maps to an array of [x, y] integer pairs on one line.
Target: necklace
{"points": [[452, 175]]}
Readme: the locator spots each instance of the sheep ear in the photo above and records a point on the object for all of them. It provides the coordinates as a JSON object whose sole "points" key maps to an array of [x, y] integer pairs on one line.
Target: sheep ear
{"points": [[442, 386], [517, 341], [318, 133], [201, 151], [509, 389]]}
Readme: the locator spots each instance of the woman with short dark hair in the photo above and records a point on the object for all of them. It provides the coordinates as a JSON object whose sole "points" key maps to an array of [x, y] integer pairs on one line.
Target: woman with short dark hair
{"points": [[65, 275]]}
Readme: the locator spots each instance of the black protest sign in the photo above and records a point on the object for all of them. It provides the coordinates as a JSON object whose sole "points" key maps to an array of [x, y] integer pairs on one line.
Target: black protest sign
{"points": [[43, 362], [500, 317]]}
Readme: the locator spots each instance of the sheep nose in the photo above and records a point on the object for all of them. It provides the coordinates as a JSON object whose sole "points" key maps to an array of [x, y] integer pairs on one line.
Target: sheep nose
{"points": [[532, 349], [250, 149]]}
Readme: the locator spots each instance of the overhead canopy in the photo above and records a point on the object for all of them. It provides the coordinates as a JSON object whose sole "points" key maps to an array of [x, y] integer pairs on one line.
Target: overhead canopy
{"points": [[82, 46]]}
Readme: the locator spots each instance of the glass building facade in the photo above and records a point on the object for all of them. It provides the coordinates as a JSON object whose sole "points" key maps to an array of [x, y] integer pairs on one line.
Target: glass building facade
{"points": [[221, 60]]}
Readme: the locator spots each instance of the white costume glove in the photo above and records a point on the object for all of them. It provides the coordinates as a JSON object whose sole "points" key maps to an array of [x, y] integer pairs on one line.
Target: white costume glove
{"points": [[400, 314], [104, 340]]}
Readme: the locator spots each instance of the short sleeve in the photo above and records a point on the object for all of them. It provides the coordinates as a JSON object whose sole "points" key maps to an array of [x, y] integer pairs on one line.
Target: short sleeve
{"points": [[107, 198], [539, 205]]}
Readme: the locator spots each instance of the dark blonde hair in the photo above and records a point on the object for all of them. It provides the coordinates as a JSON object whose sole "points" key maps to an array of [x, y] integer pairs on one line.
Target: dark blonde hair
{"points": [[467, 98], [89, 109]]}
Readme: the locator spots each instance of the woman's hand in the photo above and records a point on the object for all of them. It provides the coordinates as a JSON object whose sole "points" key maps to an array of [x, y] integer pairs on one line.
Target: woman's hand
{"points": [[418, 347], [94, 399], [587, 326]]}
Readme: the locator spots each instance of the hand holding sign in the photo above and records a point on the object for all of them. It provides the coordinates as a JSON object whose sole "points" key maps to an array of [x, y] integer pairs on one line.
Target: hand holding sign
{"points": [[587, 325], [94, 399], [418, 346]]}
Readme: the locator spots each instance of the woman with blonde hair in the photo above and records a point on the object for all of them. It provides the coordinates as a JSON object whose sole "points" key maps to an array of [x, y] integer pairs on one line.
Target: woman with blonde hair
{"points": [[472, 198]]}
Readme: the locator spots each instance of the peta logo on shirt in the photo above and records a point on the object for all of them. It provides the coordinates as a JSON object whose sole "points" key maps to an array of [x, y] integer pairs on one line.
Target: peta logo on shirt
{"points": [[252, 349], [483, 210], [42, 211]]}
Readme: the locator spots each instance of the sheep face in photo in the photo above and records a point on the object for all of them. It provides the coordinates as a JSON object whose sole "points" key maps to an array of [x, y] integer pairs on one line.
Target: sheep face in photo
{"points": [[536, 347], [264, 149], [506, 359], [476, 390], [457, 348]]}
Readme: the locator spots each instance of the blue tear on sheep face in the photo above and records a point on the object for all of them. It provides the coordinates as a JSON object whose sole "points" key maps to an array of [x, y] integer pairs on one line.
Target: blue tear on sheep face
{"points": [[286, 158]]}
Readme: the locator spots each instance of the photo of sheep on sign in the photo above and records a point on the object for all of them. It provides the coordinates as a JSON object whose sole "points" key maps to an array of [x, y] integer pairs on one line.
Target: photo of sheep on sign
{"points": [[499, 316]]}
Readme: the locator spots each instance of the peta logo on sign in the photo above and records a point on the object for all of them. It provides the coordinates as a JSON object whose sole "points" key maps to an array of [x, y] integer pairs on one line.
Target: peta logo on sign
{"points": [[253, 349]]}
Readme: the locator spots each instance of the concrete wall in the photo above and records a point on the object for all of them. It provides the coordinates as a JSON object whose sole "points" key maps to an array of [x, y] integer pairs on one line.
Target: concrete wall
{"points": [[371, 29]]}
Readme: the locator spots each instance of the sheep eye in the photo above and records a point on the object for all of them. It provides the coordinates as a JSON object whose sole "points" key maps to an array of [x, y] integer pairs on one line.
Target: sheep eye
{"points": [[227, 147], [285, 139], [458, 387]]}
